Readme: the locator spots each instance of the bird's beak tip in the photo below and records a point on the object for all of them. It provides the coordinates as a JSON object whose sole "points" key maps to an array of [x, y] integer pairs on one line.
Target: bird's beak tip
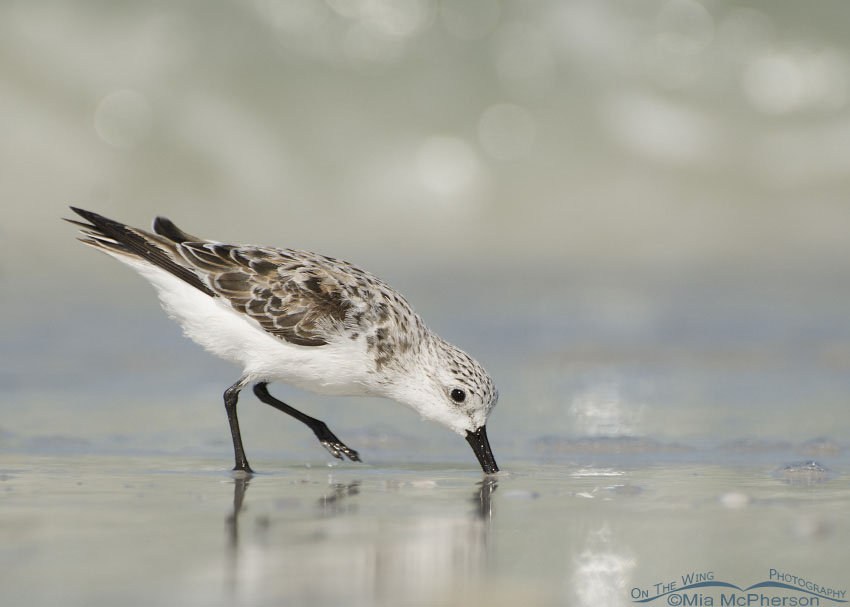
{"points": [[481, 446]]}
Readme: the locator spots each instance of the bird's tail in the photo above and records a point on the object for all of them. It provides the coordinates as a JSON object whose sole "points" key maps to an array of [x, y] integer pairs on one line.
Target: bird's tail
{"points": [[159, 249]]}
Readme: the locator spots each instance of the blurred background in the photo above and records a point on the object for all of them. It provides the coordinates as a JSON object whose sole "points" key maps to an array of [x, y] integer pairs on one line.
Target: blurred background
{"points": [[634, 214]]}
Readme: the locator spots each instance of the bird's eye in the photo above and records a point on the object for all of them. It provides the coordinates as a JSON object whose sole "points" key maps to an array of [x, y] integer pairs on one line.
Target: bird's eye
{"points": [[458, 395]]}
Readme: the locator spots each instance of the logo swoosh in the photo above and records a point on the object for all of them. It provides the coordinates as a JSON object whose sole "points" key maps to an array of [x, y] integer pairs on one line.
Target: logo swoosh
{"points": [[797, 588], [698, 585]]}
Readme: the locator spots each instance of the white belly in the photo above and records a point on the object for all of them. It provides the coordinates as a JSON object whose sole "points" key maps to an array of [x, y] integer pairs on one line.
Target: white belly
{"points": [[338, 368]]}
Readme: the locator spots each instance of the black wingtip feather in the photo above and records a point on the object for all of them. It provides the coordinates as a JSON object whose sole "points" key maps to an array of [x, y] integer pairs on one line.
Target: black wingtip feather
{"points": [[88, 226], [135, 242], [88, 215]]}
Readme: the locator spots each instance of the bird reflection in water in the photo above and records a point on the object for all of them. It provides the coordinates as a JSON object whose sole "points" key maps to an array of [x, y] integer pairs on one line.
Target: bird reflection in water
{"points": [[231, 525], [409, 541], [482, 498], [336, 502], [240, 486]]}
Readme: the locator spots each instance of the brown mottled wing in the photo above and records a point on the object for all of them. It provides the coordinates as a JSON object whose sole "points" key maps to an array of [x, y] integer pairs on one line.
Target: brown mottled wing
{"points": [[292, 295]]}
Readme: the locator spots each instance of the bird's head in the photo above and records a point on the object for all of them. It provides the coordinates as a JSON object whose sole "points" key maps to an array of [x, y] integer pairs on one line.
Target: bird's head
{"points": [[450, 387]]}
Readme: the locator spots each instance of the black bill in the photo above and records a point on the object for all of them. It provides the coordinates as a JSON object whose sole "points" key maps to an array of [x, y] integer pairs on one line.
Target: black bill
{"points": [[479, 443]]}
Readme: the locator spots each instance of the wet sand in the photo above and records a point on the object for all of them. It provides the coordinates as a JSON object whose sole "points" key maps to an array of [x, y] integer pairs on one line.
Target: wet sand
{"points": [[585, 530]]}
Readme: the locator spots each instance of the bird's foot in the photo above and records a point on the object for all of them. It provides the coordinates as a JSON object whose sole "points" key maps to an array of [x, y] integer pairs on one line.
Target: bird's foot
{"points": [[331, 442], [338, 449]]}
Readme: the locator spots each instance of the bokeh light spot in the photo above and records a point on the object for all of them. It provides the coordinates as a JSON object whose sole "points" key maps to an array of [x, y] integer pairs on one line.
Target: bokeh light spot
{"points": [[397, 18], [123, 119], [661, 131], [448, 166], [782, 82]]}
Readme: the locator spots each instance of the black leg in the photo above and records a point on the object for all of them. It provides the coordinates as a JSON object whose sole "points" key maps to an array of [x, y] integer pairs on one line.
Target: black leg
{"points": [[231, 396], [328, 439]]}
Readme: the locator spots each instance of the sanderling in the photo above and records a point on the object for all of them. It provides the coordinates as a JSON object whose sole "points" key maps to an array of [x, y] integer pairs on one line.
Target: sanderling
{"points": [[306, 320]]}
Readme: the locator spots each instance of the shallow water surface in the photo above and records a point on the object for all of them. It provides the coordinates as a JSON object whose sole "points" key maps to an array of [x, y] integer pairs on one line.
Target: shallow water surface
{"points": [[102, 530], [634, 464]]}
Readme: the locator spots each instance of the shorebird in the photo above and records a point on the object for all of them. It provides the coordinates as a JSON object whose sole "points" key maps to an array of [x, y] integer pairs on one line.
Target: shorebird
{"points": [[305, 320]]}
